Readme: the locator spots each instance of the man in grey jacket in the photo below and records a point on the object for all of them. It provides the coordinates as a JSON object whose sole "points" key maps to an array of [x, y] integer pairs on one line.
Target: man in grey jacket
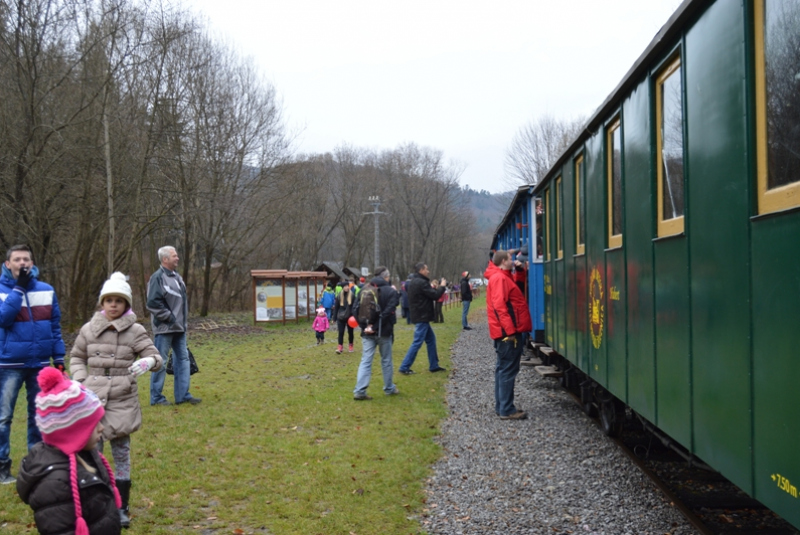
{"points": [[166, 301]]}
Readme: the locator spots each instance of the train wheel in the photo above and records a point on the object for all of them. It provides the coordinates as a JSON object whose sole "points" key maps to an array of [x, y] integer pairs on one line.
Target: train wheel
{"points": [[610, 419]]}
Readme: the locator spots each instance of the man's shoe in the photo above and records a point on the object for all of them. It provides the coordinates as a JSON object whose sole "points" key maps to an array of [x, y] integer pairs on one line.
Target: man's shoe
{"points": [[5, 474], [339, 349], [439, 369], [467, 328], [393, 392], [407, 372], [350, 348], [519, 415], [191, 401], [164, 402], [362, 397]]}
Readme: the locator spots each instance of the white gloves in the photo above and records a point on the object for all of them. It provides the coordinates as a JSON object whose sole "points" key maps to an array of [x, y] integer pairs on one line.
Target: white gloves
{"points": [[141, 366]]}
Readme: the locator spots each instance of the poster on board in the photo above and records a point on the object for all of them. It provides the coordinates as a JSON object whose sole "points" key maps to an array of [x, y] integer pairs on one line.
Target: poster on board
{"points": [[290, 306], [269, 300]]}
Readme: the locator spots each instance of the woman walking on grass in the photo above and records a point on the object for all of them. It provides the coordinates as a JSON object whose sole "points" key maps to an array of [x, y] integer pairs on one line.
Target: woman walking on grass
{"points": [[110, 353], [342, 311]]}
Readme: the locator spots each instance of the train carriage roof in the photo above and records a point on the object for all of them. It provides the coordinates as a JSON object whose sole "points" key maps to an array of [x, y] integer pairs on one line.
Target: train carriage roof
{"points": [[663, 40]]}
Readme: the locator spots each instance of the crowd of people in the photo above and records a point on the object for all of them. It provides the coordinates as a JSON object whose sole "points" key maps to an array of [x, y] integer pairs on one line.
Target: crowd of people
{"points": [[65, 478]]}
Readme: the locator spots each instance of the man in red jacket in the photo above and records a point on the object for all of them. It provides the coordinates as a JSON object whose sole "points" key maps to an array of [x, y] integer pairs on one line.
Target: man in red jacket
{"points": [[509, 319]]}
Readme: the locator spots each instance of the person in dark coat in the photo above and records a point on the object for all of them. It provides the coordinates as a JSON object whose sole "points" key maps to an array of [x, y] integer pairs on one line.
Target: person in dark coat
{"points": [[404, 301], [379, 336], [342, 310], [65, 479], [466, 300], [421, 296], [438, 315]]}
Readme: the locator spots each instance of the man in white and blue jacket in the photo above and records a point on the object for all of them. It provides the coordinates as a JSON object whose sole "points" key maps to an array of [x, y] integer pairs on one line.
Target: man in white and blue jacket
{"points": [[169, 309], [30, 337]]}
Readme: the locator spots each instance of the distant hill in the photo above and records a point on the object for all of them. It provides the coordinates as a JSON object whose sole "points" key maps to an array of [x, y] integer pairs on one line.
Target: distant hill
{"points": [[488, 208]]}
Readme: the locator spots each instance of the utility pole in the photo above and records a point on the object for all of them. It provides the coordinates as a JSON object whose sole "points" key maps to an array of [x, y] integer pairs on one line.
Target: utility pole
{"points": [[376, 203]]}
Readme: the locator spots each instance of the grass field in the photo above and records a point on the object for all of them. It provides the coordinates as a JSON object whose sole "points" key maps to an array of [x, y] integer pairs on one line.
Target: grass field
{"points": [[278, 444]]}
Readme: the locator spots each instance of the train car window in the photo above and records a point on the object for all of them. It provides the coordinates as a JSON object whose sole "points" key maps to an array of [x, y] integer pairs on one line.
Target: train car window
{"points": [[580, 238], [547, 225], [777, 56], [614, 179], [559, 210], [669, 140]]}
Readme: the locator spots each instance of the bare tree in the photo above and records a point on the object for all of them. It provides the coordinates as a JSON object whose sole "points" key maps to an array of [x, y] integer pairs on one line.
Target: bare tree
{"points": [[536, 147]]}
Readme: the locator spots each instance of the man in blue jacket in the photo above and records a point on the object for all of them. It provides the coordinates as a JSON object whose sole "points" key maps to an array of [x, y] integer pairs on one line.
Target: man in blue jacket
{"points": [[30, 336]]}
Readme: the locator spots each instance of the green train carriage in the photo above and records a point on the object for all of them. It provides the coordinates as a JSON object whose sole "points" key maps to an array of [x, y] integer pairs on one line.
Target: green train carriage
{"points": [[672, 224]]}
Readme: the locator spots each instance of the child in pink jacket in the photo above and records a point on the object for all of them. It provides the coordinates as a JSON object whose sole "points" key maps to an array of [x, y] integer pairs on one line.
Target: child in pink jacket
{"points": [[320, 325]]}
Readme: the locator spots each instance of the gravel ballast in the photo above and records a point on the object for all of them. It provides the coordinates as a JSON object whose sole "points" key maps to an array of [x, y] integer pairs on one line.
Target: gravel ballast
{"points": [[553, 473]]}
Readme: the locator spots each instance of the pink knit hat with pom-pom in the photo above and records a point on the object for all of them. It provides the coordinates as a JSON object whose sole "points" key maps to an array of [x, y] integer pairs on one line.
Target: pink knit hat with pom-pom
{"points": [[66, 415]]}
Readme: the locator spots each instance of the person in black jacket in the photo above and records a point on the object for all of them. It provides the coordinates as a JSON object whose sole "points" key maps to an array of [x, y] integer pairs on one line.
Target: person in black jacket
{"points": [[466, 300], [342, 310], [65, 479], [422, 294], [380, 335]]}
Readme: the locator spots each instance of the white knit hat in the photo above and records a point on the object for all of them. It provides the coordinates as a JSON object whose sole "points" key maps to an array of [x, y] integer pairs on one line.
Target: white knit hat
{"points": [[117, 285]]}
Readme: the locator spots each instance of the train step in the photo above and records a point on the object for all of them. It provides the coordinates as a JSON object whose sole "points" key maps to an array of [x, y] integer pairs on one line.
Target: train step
{"points": [[547, 350], [534, 361], [549, 371]]}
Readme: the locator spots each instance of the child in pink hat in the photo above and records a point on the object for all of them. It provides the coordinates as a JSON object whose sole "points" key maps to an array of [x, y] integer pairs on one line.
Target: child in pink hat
{"points": [[66, 481], [320, 325]]}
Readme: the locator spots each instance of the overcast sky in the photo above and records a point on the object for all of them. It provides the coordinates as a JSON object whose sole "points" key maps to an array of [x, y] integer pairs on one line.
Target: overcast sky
{"points": [[459, 76]]}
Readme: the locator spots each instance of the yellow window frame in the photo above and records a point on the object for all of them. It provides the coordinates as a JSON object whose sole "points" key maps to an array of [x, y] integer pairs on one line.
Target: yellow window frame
{"points": [[559, 202], [666, 227], [614, 240], [547, 226], [788, 195], [580, 247]]}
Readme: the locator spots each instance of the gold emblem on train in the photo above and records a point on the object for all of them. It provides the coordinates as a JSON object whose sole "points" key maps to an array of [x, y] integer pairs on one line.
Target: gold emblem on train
{"points": [[596, 307]]}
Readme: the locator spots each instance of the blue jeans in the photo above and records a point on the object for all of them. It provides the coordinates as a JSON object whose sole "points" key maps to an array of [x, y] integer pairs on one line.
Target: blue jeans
{"points": [[368, 346], [11, 381], [464, 312], [328, 312], [423, 332], [505, 373], [180, 365]]}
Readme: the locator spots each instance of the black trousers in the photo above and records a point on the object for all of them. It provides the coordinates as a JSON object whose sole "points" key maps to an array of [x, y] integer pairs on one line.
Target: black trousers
{"points": [[342, 326]]}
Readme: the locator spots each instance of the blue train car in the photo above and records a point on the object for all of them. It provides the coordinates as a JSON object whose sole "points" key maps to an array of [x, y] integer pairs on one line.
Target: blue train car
{"points": [[521, 228]]}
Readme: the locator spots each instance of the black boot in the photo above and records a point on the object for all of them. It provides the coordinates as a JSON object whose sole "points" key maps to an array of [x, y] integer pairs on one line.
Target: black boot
{"points": [[5, 473], [124, 488]]}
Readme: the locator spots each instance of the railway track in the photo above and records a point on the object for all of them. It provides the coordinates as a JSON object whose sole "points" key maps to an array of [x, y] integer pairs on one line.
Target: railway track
{"points": [[709, 501]]}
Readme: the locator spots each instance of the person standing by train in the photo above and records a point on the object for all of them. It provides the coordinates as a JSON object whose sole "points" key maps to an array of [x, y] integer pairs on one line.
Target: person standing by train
{"points": [[466, 300], [509, 319]]}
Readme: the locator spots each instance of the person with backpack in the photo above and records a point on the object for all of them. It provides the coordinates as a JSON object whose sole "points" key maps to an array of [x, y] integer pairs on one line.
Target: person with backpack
{"points": [[342, 310], [327, 300], [376, 315]]}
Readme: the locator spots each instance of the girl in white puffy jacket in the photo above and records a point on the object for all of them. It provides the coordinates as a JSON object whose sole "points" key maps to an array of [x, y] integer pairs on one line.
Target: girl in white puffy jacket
{"points": [[110, 353]]}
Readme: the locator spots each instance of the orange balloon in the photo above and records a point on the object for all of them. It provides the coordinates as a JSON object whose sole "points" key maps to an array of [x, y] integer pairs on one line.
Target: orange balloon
{"points": [[352, 322]]}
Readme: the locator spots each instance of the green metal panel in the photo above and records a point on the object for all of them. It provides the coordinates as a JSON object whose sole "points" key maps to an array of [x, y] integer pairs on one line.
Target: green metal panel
{"points": [[616, 321], [776, 372], [595, 254], [673, 374], [561, 278], [549, 272], [569, 259], [639, 233], [717, 228]]}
